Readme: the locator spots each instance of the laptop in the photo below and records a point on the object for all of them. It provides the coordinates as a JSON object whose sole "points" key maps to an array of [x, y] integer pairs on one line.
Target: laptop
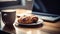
{"points": [[48, 10]]}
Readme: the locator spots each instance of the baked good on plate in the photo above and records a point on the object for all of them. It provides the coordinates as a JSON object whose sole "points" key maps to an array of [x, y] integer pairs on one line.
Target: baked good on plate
{"points": [[28, 19]]}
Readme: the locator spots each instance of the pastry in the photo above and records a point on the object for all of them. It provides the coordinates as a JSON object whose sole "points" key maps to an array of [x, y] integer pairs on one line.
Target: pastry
{"points": [[27, 19]]}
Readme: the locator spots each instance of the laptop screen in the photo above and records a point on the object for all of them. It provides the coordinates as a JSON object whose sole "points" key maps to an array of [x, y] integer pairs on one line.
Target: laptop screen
{"points": [[47, 6]]}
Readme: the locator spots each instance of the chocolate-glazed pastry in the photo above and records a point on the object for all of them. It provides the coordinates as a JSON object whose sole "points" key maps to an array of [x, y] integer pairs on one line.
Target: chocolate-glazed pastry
{"points": [[34, 19], [27, 19]]}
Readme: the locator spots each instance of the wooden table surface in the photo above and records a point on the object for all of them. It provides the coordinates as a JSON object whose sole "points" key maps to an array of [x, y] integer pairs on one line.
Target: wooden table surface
{"points": [[47, 28]]}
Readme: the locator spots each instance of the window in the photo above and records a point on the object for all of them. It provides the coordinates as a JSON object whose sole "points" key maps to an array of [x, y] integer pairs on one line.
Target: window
{"points": [[11, 3]]}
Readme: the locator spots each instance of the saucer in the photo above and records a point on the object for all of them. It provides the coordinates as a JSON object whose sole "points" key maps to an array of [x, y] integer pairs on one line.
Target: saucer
{"points": [[39, 23]]}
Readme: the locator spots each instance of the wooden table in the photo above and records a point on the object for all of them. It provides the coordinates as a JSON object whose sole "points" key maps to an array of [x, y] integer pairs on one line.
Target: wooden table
{"points": [[48, 28]]}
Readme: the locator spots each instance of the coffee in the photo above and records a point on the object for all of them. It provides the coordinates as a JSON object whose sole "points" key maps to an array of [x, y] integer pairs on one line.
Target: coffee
{"points": [[8, 16]]}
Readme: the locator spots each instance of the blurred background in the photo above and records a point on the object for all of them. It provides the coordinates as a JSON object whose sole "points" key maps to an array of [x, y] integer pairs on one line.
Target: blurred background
{"points": [[48, 9]]}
